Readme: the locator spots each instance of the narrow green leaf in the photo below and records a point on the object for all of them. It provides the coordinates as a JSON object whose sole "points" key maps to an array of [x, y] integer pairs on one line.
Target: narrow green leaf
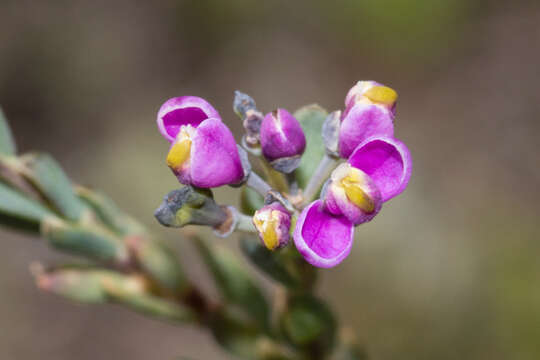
{"points": [[19, 211], [7, 144], [97, 286], [154, 306], [92, 242], [49, 178], [160, 262], [234, 282], [275, 264], [109, 213], [311, 117]]}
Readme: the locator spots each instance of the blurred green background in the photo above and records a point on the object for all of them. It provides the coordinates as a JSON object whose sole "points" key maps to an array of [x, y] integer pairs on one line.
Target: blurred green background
{"points": [[449, 270]]}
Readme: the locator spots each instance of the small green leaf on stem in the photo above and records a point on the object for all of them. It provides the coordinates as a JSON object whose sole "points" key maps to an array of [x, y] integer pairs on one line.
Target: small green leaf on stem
{"points": [[109, 213], [51, 181], [19, 211], [160, 262], [90, 241], [98, 286]]}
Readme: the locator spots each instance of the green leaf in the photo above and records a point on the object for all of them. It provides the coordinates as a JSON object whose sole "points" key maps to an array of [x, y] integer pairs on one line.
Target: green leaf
{"points": [[19, 211], [308, 323], [160, 262], [276, 264], [109, 213], [97, 286], [234, 282], [49, 178], [311, 117], [153, 306], [250, 201], [92, 242], [7, 144]]}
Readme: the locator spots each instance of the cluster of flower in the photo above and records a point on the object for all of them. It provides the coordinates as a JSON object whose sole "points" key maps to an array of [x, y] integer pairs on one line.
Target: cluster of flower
{"points": [[204, 154]]}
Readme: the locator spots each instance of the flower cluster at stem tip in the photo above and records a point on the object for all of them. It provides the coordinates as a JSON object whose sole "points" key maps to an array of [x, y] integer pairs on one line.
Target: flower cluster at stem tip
{"points": [[363, 167]]}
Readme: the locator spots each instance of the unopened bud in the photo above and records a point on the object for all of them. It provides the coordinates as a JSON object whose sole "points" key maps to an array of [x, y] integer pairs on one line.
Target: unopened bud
{"points": [[352, 193], [244, 106], [282, 140], [273, 224], [190, 206], [371, 92]]}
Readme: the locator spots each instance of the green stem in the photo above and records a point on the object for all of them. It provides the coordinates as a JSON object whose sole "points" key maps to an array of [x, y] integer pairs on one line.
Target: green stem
{"points": [[255, 182], [245, 223], [323, 171], [276, 179]]}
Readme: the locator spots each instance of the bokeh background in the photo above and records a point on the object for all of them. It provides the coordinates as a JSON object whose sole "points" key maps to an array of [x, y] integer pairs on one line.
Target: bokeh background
{"points": [[449, 270]]}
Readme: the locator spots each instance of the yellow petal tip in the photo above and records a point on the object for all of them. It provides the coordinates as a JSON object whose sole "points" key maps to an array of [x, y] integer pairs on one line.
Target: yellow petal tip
{"points": [[356, 195], [382, 95]]}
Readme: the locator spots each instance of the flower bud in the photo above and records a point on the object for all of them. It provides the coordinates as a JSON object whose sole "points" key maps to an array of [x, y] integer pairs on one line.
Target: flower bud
{"points": [[273, 223], [361, 122], [282, 140], [190, 206], [351, 192], [244, 106], [322, 238], [371, 92], [388, 163]]}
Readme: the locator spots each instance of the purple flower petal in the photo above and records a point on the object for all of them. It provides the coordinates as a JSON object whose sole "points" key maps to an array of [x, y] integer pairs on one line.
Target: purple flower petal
{"points": [[362, 122], [387, 161], [323, 239], [281, 135], [214, 156], [183, 110]]}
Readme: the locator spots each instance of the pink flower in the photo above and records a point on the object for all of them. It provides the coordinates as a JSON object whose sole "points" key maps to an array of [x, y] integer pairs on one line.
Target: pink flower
{"points": [[203, 151]]}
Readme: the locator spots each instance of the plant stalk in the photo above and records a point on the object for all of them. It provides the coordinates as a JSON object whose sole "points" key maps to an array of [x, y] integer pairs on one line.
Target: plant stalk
{"points": [[323, 171], [245, 223], [255, 182]]}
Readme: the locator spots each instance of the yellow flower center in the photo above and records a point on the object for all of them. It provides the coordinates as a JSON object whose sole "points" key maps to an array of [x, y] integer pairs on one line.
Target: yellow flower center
{"points": [[266, 225], [180, 151], [382, 95], [352, 184]]}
